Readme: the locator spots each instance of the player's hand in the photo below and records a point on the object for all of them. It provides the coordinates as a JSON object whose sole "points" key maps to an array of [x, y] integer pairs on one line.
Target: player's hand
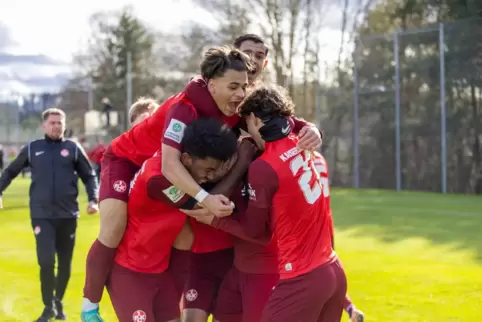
{"points": [[92, 208], [247, 150], [219, 205], [1, 202], [357, 316], [310, 138]]}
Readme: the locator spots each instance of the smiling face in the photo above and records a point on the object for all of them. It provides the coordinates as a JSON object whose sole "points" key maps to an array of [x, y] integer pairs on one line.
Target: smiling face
{"points": [[229, 90], [258, 53], [201, 170]]}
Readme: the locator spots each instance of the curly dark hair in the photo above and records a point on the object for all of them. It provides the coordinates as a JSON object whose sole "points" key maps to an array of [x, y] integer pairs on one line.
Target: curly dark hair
{"points": [[218, 60], [268, 101], [249, 37], [209, 138]]}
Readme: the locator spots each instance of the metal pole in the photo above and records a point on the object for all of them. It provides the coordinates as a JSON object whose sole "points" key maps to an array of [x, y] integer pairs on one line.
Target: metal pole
{"points": [[356, 156], [318, 99], [398, 172], [90, 94], [128, 88], [443, 119], [17, 119]]}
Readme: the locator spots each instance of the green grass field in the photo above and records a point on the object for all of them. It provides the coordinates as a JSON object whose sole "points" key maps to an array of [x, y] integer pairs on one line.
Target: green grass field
{"points": [[409, 256]]}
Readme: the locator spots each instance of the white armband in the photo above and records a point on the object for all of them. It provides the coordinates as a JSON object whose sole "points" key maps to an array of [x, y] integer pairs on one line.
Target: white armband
{"points": [[201, 195]]}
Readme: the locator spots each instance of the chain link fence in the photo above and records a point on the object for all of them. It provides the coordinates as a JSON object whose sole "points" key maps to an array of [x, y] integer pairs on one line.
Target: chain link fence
{"points": [[416, 121]]}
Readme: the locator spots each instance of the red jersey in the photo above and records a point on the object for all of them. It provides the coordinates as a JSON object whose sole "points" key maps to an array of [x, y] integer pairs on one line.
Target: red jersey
{"points": [[168, 122], [250, 256], [167, 125], [289, 192], [97, 153], [153, 222]]}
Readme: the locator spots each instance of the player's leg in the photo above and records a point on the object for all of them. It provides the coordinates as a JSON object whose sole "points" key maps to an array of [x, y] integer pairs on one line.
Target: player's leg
{"points": [[64, 244], [181, 256], [256, 290], [115, 176], [303, 297], [206, 273], [132, 294], [333, 308], [228, 306], [166, 301], [44, 231]]}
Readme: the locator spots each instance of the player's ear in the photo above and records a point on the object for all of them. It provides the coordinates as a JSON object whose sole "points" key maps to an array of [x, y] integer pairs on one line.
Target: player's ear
{"points": [[186, 159], [211, 86], [265, 63]]}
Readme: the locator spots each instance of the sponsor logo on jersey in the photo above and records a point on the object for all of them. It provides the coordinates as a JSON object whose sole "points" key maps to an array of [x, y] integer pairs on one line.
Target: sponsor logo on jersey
{"points": [[175, 131]]}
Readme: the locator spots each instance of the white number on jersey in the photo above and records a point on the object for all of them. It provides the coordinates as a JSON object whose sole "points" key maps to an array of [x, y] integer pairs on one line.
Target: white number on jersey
{"points": [[321, 185]]}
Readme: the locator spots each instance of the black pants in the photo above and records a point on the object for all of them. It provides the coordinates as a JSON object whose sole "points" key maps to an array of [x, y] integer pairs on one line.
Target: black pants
{"points": [[54, 237]]}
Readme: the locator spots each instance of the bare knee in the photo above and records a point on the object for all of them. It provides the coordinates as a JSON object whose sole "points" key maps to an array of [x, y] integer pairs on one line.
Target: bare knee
{"points": [[113, 221], [194, 315]]}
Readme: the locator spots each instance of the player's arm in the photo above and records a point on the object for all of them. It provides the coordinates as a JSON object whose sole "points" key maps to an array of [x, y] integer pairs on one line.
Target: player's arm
{"points": [[86, 174], [12, 171], [310, 136], [235, 227], [160, 189], [263, 183], [179, 116], [177, 120]]}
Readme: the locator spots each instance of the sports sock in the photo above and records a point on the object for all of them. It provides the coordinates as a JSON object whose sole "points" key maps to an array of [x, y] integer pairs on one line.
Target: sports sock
{"points": [[98, 265], [88, 305]]}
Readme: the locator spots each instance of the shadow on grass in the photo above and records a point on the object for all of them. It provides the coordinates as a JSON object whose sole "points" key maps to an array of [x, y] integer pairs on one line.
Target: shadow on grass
{"points": [[392, 216]]}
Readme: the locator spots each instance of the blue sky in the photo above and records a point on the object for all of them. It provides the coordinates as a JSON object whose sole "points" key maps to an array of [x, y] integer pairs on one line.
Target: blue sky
{"points": [[37, 44]]}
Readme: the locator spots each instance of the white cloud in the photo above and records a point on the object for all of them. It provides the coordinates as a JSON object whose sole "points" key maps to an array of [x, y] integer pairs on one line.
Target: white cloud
{"points": [[58, 28]]}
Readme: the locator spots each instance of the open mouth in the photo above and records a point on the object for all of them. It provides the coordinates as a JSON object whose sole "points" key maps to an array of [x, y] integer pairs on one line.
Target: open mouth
{"points": [[233, 106]]}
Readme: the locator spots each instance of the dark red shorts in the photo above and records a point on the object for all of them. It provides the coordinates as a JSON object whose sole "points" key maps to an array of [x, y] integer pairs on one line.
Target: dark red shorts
{"points": [[179, 267], [206, 273], [143, 297], [242, 296], [316, 296], [115, 176]]}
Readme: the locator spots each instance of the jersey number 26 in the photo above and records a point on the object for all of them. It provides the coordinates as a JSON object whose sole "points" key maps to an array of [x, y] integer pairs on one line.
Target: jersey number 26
{"points": [[310, 169]]}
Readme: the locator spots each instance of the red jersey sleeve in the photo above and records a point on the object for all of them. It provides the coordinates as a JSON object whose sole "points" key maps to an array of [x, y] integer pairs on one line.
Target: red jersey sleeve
{"points": [[160, 189], [300, 123], [177, 118], [262, 185]]}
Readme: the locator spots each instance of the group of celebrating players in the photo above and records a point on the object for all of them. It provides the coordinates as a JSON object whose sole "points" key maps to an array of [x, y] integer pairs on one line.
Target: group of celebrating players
{"points": [[172, 246]]}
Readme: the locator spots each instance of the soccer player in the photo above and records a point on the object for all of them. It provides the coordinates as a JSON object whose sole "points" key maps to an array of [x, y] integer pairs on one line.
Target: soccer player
{"points": [[141, 283], [248, 284], [142, 109], [254, 47], [290, 194], [215, 94], [110, 235]]}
